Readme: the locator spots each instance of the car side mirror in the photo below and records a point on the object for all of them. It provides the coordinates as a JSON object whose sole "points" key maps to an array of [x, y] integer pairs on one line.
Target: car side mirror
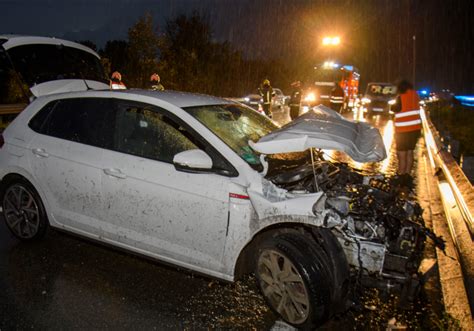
{"points": [[194, 160]]}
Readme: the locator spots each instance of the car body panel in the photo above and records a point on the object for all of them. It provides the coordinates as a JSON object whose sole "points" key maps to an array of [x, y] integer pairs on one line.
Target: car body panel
{"points": [[177, 214], [67, 172], [66, 85], [324, 128], [20, 40]]}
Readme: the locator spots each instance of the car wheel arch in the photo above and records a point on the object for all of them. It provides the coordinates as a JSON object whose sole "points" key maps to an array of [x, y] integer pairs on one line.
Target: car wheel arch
{"points": [[40, 219], [19, 174], [244, 262]]}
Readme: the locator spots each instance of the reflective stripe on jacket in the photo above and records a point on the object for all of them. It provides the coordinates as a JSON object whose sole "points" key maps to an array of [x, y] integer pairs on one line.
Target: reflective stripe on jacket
{"points": [[408, 119], [335, 99], [118, 86], [266, 93]]}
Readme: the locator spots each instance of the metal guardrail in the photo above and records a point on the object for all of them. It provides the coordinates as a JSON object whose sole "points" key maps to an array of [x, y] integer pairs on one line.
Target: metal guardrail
{"points": [[8, 113], [12, 109], [457, 197], [443, 160]]}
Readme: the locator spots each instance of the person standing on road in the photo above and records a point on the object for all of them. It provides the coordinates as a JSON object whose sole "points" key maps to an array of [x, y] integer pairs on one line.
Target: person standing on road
{"points": [[337, 97], [407, 125], [116, 81], [295, 99], [266, 92], [155, 84]]}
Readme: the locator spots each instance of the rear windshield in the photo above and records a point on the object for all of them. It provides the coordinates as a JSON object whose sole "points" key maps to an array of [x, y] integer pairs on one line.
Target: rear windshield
{"points": [[381, 90], [41, 63]]}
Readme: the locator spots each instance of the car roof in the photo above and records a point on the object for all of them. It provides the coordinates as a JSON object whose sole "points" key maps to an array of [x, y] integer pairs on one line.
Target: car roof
{"points": [[177, 98], [180, 99], [19, 40]]}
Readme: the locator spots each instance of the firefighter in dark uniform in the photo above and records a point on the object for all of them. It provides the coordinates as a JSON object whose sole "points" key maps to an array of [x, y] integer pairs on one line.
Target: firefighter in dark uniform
{"points": [[295, 100], [337, 98], [155, 83], [266, 91]]}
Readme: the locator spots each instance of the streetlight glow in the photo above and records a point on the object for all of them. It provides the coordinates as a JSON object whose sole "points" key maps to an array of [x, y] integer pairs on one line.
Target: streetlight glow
{"points": [[329, 40]]}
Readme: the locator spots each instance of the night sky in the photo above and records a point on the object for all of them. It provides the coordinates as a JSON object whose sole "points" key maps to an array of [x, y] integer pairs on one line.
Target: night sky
{"points": [[377, 36]]}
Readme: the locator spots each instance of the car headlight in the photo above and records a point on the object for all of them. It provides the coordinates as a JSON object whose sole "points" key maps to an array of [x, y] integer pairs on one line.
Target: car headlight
{"points": [[310, 97], [392, 102], [246, 99], [366, 100]]}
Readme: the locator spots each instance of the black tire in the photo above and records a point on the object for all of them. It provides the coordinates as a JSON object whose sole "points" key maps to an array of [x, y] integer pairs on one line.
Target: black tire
{"points": [[315, 282], [26, 219], [339, 267]]}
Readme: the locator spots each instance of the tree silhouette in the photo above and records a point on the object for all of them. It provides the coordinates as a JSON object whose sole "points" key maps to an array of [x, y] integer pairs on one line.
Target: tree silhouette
{"points": [[188, 59], [142, 52], [115, 56]]}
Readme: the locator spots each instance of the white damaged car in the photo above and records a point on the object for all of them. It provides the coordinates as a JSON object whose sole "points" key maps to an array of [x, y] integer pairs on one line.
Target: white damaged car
{"points": [[204, 183]]}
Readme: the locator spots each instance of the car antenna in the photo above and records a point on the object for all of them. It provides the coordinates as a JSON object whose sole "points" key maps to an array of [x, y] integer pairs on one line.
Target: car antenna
{"points": [[314, 170], [88, 87]]}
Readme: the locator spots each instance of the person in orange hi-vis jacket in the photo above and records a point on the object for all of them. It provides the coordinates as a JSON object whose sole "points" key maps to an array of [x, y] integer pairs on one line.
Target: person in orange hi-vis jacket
{"points": [[116, 81], [407, 125]]}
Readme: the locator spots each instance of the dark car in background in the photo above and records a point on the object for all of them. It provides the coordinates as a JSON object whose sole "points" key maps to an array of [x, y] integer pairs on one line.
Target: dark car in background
{"points": [[378, 98], [254, 101]]}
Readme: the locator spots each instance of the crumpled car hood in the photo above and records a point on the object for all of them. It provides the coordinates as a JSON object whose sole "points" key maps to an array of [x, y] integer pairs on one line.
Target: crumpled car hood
{"points": [[66, 85], [324, 128]]}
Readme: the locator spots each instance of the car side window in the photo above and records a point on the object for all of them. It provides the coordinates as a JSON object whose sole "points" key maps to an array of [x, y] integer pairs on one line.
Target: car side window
{"points": [[84, 120], [143, 131], [151, 132]]}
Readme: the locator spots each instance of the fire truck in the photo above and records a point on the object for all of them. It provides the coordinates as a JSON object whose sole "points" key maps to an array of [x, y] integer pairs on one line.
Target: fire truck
{"points": [[323, 84]]}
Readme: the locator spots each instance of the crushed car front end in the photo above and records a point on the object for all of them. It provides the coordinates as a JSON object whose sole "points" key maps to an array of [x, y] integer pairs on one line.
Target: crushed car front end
{"points": [[375, 217]]}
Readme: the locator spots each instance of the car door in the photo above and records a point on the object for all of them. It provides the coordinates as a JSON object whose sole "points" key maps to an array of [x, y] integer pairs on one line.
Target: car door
{"points": [[65, 158], [179, 216]]}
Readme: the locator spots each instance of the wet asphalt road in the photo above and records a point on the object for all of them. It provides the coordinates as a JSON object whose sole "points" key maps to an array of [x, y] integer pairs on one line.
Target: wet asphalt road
{"points": [[64, 282]]}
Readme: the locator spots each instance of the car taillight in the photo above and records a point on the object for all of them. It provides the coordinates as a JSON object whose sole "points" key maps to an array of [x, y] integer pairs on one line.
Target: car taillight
{"points": [[2, 141]]}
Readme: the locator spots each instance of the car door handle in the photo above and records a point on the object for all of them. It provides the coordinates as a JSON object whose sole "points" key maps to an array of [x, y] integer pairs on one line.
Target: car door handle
{"points": [[115, 173], [40, 152]]}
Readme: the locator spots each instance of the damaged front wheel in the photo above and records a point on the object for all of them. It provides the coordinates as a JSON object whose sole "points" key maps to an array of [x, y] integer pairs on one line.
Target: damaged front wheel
{"points": [[295, 280]]}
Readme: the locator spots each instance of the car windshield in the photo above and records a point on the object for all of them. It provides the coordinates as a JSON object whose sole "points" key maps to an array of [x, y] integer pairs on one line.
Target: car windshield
{"points": [[381, 90], [235, 125], [35, 66], [327, 75], [324, 89]]}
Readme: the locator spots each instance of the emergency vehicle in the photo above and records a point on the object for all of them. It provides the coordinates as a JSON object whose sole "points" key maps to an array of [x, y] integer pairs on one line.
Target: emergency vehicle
{"points": [[323, 83]]}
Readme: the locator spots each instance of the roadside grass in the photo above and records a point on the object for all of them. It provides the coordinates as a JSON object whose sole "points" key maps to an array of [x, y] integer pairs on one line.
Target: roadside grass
{"points": [[455, 120]]}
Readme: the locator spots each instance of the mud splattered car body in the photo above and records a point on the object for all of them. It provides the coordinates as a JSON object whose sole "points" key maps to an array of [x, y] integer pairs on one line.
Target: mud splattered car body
{"points": [[183, 178]]}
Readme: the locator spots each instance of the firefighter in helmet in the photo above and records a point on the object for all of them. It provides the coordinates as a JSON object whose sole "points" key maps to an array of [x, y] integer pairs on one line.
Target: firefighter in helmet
{"points": [[155, 83], [295, 99], [336, 100], [266, 92], [116, 81]]}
